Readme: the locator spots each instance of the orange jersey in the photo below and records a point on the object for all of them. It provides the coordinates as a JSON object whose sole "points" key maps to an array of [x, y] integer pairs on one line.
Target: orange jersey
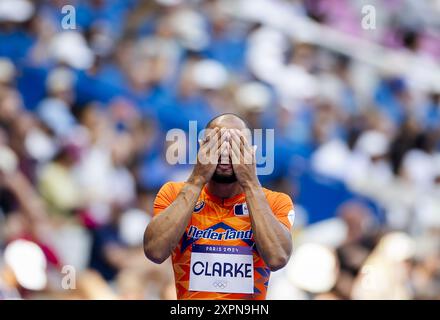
{"points": [[222, 227]]}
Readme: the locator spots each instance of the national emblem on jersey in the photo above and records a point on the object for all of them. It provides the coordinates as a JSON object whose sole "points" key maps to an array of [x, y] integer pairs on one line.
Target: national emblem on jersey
{"points": [[241, 209]]}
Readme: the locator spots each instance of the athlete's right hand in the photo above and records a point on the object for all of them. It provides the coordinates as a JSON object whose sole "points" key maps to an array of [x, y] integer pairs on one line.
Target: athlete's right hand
{"points": [[207, 157]]}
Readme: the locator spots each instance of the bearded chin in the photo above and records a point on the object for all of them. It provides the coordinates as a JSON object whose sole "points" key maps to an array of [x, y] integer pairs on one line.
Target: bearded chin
{"points": [[224, 179]]}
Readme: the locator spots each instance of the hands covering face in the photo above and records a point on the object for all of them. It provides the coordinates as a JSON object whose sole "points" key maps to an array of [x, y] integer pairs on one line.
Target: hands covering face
{"points": [[227, 146], [243, 157]]}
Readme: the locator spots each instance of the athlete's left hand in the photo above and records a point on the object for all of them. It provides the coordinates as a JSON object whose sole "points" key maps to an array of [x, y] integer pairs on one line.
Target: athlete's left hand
{"points": [[243, 159]]}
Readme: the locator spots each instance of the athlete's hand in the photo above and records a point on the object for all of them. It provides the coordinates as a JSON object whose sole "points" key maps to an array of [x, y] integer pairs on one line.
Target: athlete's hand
{"points": [[243, 159], [207, 158]]}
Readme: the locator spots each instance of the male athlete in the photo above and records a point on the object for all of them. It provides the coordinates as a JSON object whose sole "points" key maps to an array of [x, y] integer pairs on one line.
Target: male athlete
{"points": [[224, 231]]}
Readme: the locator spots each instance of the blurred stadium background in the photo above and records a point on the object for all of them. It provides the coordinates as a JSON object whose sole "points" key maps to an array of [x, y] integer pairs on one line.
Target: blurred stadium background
{"points": [[84, 113]]}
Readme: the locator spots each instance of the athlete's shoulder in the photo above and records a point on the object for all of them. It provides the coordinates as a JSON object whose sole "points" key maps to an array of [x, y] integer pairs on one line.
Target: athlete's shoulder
{"points": [[275, 196], [173, 186], [166, 195], [282, 206]]}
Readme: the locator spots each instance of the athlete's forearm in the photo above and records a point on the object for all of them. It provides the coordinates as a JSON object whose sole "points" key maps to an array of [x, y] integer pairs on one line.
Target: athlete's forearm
{"points": [[166, 229], [273, 240]]}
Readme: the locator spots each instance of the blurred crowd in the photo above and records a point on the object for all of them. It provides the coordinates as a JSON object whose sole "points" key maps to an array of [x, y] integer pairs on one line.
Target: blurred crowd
{"points": [[86, 102]]}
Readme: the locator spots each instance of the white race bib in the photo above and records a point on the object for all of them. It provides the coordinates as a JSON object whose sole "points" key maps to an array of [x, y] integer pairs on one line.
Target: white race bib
{"points": [[226, 269]]}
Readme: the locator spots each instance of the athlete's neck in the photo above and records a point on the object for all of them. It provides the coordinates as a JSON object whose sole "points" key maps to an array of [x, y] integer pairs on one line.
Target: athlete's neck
{"points": [[224, 190]]}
